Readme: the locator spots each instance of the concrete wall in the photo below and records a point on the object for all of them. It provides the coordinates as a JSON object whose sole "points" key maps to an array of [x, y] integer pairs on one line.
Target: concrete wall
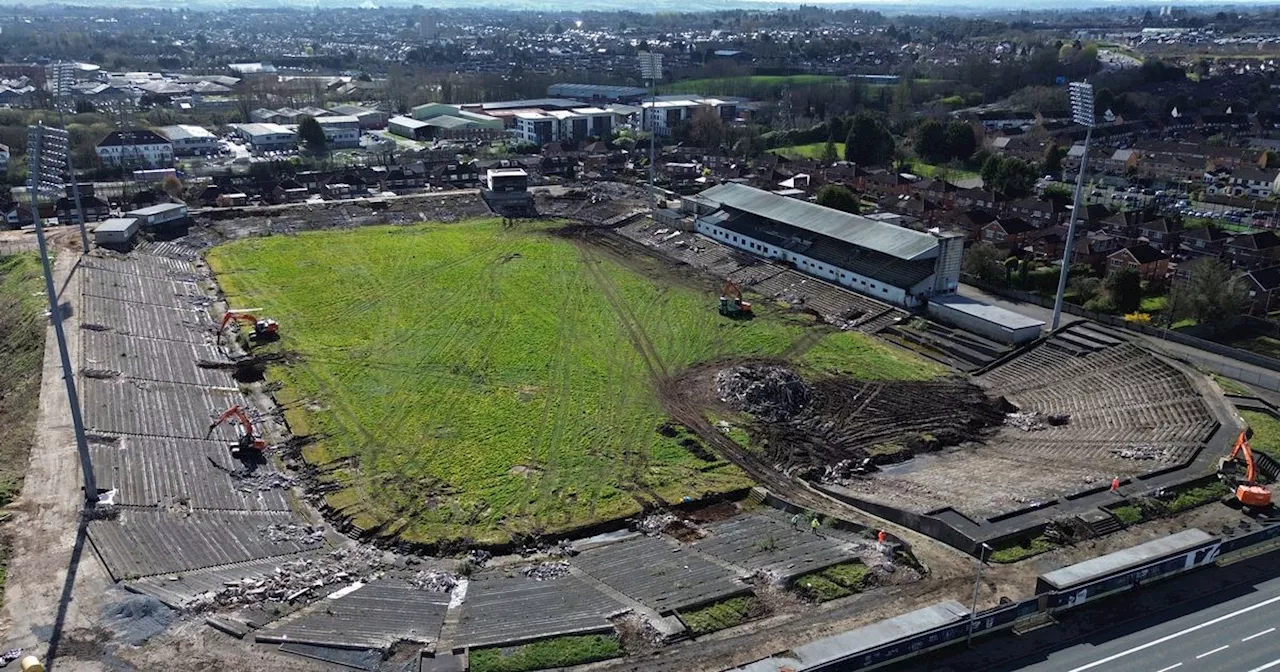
{"points": [[872, 287]]}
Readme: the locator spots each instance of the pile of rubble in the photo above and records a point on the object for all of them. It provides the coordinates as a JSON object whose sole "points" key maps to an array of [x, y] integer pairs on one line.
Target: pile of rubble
{"points": [[653, 524], [279, 533], [260, 480], [434, 580], [1034, 422], [770, 393], [1143, 452], [546, 571], [295, 579]]}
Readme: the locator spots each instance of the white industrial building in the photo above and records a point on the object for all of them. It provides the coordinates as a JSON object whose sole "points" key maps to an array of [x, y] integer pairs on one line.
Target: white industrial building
{"points": [[575, 125], [117, 232], [891, 263], [188, 140], [267, 137], [135, 149], [340, 131]]}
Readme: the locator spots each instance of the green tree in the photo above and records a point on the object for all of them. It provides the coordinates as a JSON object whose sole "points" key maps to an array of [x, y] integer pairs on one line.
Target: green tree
{"points": [[311, 134], [1053, 155], [985, 261], [1010, 176], [869, 143], [1212, 294], [1125, 288], [931, 141], [829, 153], [960, 140], [839, 197]]}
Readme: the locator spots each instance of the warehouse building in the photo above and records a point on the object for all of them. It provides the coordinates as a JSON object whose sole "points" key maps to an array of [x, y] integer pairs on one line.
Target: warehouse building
{"points": [[267, 137], [160, 216], [340, 131], [888, 262], [116, 233], [188, 140]]}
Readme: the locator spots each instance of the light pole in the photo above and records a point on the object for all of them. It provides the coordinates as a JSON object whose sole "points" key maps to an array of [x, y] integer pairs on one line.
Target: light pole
{"points": [[1081, 113], [47, 163], [651, 71], [977, 581], [63, 76]]}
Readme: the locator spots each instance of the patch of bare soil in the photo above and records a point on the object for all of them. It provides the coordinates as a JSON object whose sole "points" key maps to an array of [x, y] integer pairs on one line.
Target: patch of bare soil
{"points": [[834, 427]]}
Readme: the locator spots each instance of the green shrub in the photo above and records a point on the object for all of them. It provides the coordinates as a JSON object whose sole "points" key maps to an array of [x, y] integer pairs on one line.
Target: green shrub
{"points": [[723, 614], [549, 653]]}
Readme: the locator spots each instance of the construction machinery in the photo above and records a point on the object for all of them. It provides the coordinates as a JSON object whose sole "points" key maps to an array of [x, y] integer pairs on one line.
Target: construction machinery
{"points": [[1248, 492], [262, 329], [249, 439], [731, 303]]}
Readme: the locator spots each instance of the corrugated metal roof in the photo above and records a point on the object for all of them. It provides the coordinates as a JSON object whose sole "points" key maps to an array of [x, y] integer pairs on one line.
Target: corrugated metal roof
{"points": [[853, 229]]}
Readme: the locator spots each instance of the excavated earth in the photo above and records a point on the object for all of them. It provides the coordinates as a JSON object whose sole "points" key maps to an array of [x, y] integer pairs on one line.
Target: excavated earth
{"points": [[834, 426]]}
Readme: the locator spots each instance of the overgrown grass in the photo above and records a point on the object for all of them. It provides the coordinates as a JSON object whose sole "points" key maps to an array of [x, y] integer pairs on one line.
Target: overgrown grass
{"points": [[833, 582], [1154, 304], [22, 332], [1021, 549], [1189, 498], [1128, 514], [472, 381], [1230, 386], [721, 615], [864, 357], [810, 151], [547, 654], [1266, 433]]}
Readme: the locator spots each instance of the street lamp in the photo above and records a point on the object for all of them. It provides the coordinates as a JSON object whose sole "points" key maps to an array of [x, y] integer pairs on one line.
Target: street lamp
{"points": [[47, 150], [977, 581], [1081, 113], [651, 72]]}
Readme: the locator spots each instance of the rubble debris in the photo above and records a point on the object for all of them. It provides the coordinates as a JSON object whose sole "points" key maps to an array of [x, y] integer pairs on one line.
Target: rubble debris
{"points": [[10, 656], [769, 392], [434, 580], [479, 557], [296, 579], [1034, 422], [653, 524], [259, 480], [100, 374], [1142, 452], [278, 533], [546, 571], [137, 618], [101, 511]]}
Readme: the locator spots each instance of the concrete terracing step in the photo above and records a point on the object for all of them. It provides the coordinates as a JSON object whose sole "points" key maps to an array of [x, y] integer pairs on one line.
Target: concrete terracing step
{"points": [[1101, 522]]}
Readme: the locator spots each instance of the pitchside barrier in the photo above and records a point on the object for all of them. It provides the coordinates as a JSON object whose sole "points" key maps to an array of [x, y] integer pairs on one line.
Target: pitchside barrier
{"points": [[945, 623]]}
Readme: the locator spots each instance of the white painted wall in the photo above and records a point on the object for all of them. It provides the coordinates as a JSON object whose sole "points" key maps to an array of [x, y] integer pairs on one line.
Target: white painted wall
{"points": [[872, 287]]}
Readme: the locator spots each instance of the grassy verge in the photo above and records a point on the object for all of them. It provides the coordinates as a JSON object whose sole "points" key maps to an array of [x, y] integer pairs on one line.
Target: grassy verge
{"points": [[1266, 346], [1230, 386], [866, 358], [810, 151], [547, 654], [833, 582], [932, 171], [22, 331], [1190, 498], [1266, 433], [721, 615], [1021, 549]]}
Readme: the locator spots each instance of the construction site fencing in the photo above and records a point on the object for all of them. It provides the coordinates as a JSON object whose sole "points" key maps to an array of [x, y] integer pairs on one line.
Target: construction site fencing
{"points": [[1052, 601]]}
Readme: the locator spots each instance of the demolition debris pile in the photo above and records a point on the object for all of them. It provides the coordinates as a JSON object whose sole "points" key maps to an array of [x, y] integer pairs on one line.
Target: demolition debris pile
{"points": [[1034, 422], [304, 577], [546, 571], [434, 580], [838, 426], [771, 393]]}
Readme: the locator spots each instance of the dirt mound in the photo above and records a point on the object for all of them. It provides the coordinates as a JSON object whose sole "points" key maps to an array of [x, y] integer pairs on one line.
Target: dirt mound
{"points": [[137, 618], [769, 392], [836, 427]]}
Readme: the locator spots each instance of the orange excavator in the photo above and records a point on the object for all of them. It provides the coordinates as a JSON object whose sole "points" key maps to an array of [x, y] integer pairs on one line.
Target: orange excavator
{"points": [[262, 329], [249, 439], [1248, 492], [731, 303]]}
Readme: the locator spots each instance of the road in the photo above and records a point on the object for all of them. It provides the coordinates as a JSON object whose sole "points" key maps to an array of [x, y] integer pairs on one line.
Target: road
{"points": [[1239, 635]]}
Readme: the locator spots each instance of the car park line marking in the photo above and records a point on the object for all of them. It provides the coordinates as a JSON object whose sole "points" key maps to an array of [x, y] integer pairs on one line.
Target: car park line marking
{"points": [[1171, 667], [1210, 653]]}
